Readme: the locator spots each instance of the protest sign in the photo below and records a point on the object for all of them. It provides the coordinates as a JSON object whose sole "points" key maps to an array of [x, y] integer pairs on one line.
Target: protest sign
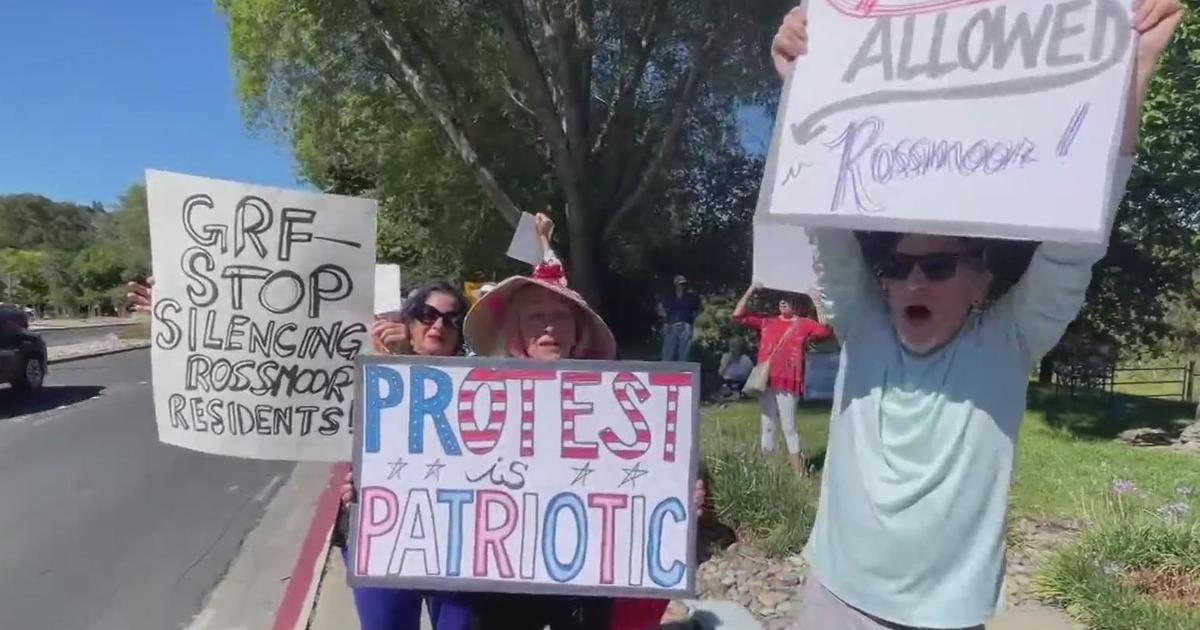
{"points": [[783, 258], [538, 477], [389, 297], [985, 118], [261, 305], [525, 245]]}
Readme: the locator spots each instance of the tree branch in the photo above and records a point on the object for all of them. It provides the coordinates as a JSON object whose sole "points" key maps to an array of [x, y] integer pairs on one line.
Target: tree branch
{"points": [[527, 63], [445, 115], [631, 78], [685, 90]]}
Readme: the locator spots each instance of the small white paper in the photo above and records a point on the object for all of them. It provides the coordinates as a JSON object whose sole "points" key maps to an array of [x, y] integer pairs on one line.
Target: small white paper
{"points": [[525, 245], [388, 298], [783, 258]]}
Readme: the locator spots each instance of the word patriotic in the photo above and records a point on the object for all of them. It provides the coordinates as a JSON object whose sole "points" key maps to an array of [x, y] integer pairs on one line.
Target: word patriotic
{"points": [[511, 475]]}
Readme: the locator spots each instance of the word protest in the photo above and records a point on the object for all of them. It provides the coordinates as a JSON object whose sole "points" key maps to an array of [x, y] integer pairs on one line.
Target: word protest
{"points": [[991, 118], [261, 306], [510, 475]]}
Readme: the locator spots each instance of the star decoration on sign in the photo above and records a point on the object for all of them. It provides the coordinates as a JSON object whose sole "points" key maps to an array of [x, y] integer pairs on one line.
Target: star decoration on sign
{"points": [[633, 474], [581, 473], [397, 466], [435, 469]]}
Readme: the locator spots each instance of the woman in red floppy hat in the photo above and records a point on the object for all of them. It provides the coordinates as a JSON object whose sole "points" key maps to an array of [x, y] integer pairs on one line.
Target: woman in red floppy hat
{"points": [[540, 318]]}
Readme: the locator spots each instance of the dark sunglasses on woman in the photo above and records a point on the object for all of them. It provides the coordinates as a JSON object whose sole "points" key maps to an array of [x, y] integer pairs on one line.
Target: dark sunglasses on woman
{"points": [[429, 315], [935, 267]]}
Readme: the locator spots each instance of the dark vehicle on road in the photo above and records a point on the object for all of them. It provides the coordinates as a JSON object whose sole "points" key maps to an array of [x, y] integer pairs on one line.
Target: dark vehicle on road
{"points": [[22, 353]]}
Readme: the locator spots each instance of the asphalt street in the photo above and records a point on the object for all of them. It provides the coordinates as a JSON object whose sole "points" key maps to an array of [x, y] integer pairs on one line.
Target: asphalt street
{"points": [[103, 527]]}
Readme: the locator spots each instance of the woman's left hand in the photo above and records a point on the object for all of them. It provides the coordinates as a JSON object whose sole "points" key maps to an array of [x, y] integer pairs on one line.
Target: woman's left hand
{"points": [[544, 226], [1155, 21]]}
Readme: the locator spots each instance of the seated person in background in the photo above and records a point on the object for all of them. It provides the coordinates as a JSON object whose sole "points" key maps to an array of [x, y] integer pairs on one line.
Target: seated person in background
{"points": [[735, 368]]}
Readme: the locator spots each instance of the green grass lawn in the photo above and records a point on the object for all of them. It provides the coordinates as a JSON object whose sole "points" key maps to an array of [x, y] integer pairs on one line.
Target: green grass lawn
{"points": [[1066, 458]]}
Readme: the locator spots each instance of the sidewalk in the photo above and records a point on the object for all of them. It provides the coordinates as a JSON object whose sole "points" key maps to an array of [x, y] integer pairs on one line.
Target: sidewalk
{"points": [[334, 610]]}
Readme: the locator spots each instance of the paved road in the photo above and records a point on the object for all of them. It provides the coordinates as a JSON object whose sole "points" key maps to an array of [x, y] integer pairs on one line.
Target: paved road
{"points": [[67, 336], [102, 527]]}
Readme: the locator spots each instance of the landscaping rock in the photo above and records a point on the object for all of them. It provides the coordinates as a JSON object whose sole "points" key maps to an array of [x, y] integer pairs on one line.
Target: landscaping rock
{"points": [[1145, 437], [1191, 434]]}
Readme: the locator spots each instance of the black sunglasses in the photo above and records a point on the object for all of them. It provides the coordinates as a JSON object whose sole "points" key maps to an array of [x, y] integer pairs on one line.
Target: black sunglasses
{"points": [[429, 315], [935, 267]]}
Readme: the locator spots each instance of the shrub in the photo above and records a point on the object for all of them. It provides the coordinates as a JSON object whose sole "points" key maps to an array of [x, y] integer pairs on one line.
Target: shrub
{"points": [[1137, 567]]}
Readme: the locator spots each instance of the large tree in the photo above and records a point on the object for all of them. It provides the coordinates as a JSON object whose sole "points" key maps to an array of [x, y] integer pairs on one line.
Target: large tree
{"points": [[590, 107]]}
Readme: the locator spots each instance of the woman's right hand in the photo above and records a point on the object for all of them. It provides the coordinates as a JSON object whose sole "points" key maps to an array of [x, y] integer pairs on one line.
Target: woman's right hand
{"points": [[790, 42], [390, 337], [140, 296], [347, 489]]}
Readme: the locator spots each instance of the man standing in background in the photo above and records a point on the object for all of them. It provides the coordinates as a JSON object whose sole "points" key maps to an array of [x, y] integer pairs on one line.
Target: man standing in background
{"points": [[678, 311]]}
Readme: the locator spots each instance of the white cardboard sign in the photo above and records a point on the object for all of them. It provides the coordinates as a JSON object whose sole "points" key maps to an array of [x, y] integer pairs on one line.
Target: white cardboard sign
{"points": [[512, 475], [388, 295], [262, 300], [995, 118], [783, 258], [525, 245]]}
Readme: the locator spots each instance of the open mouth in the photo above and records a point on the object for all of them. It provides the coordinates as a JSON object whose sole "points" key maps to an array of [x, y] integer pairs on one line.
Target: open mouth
{"points": [[917, 313]]}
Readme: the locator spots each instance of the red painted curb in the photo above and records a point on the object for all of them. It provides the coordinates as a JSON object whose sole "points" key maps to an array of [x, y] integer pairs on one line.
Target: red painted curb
{"points": [[305, 572]]}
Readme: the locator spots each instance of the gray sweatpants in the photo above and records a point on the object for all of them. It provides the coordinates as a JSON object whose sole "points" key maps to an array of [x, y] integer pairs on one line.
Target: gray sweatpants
{"points": [[822, 610]]}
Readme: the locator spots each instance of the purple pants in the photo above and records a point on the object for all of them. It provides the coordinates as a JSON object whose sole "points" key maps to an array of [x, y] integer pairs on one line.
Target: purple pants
{"points": [[397, 609]]}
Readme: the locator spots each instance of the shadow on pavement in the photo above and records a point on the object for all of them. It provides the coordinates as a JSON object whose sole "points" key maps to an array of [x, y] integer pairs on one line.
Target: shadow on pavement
{"points": [[14, 404]]}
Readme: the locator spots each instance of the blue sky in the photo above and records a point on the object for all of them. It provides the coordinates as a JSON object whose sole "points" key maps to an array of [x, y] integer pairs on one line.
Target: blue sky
{"points": [[94, 92]]}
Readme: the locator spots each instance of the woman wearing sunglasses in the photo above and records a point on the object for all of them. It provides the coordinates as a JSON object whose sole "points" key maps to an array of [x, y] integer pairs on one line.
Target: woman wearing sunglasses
{"points": [[784, 337], [931, 392], [429, 324]]}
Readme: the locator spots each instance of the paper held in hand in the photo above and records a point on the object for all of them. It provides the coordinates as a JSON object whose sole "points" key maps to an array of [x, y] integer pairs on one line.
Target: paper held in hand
{"points": [[261, 305], [968, 117], [512, 475]]}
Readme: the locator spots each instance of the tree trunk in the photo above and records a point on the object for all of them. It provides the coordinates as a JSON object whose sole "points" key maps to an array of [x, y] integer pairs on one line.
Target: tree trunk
{"points": [[583, 269], [1046, 370]]}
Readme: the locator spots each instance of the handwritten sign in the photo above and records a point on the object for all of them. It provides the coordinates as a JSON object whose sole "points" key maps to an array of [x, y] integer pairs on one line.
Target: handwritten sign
{"points": [[261, 305], [971, 117], [512, 475], [783, 258]]}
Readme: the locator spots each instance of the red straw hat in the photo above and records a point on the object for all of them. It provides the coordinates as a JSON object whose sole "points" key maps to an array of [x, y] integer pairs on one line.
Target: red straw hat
{"points": [[486, 322]]}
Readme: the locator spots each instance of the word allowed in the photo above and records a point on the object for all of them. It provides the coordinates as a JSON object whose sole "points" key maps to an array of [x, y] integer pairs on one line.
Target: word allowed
{"points": [[487, 401], [525, 541]]}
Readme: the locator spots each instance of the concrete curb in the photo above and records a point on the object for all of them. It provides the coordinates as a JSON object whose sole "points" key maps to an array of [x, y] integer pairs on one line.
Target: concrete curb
{"points": [[299, 598], [37, 329], [102, 353]]}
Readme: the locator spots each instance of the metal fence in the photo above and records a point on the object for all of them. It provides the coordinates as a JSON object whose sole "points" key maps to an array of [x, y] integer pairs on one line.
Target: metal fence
{"points": [[1185, 381]]}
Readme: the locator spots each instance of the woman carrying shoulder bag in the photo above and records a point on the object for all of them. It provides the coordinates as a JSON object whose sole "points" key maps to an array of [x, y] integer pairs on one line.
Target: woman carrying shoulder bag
{"points": [[778, 379]]}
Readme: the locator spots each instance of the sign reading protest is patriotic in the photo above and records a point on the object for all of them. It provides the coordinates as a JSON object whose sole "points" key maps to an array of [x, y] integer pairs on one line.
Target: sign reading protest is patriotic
{"points": [[262, 300], [993, 118], [514, 475]]}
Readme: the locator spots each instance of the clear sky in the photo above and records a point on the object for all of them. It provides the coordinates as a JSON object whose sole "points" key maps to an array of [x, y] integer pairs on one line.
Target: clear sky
{"points": [[93, 92]]}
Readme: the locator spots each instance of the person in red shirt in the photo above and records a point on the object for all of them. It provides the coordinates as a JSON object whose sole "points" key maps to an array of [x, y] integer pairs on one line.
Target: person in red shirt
{"points": [[783, 339]]}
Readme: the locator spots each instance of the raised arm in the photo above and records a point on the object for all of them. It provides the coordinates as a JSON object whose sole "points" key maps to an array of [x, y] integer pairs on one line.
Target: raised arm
{"points": [[846, 288], [1052, 291], [741, 312]]}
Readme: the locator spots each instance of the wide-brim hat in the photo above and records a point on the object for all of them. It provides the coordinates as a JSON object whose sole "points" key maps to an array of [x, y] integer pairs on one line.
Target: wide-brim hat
{"points": [[485, 327]]}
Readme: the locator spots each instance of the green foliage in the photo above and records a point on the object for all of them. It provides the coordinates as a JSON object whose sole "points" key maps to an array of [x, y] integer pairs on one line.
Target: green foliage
{"points": [[1134, 536], [761, 497], [66, 257], [638, 163], [1157, 234]]}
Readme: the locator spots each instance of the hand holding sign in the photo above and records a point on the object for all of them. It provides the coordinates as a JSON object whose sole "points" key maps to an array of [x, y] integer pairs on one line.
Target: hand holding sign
{"points": [[871, 141]]}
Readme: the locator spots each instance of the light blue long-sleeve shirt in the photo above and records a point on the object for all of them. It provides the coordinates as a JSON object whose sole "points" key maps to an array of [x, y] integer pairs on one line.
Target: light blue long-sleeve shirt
{"points": [[911, 521]]}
